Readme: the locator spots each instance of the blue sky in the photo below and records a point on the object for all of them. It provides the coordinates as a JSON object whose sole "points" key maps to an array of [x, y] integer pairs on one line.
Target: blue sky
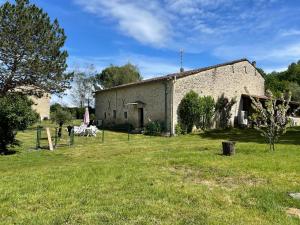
{"points": [[150, 33]]}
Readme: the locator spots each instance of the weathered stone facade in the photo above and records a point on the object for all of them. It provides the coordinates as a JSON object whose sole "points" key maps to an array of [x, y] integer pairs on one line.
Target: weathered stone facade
{"points": [[42, 106], [153, 98], [230, 80], [159, 98]]}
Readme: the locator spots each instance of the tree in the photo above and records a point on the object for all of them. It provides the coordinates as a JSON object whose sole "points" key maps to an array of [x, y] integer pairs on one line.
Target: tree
{"points": [[16, 114], [115, 75], [280, 82], [31, 52], [294, 88], [207, 111], [82, 92], [61, 116], [274, 84], [189, 111], [271, 119], [292, 74], [223, 107]]}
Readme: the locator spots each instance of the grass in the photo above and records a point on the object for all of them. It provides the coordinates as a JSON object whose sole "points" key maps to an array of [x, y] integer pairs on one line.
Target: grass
{"points": [[151, 180]]}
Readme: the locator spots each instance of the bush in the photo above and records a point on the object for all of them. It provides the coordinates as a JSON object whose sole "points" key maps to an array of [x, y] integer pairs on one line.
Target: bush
{"points": [[179, 130], [120, 127], [207, 105], [189, 110], [154, 128], [195, 110], [16, 115]]}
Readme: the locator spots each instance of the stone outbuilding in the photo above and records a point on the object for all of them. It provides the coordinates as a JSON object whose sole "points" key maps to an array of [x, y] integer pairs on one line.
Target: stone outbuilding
{"points": [[42, 106], [158, 99]]}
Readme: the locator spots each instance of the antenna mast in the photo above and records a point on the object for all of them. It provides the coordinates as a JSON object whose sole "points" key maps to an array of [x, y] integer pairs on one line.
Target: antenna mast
{"points": [[181, 60]]}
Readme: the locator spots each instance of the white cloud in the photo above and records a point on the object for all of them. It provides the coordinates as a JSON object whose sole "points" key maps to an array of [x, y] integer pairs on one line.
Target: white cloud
{"points": [[291, 32], [291, 52], [226, 29], [271, 58], [272, 69], [142, 23], [148, 66], [195, 25]]}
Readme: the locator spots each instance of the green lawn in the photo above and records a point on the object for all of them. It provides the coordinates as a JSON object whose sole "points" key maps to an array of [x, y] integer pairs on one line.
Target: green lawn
{"points": [[151, 180]]}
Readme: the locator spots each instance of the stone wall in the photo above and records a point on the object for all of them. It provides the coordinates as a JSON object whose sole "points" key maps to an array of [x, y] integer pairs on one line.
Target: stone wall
{"points": [[155, 95], [42, 106], [229, 80]]}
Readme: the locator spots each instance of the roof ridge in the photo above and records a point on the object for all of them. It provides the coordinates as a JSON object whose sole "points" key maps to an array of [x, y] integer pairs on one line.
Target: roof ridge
{"points": [[178, 75]]}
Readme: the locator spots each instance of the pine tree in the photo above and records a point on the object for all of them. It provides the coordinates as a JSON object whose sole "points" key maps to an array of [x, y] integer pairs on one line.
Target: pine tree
{"points": [[31, 52]]}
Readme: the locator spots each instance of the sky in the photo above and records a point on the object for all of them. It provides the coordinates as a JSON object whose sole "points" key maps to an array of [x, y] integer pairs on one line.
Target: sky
{"points": [[150, 33]]}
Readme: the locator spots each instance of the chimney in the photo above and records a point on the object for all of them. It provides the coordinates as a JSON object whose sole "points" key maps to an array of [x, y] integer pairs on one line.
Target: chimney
{"points": [[254, 64]]}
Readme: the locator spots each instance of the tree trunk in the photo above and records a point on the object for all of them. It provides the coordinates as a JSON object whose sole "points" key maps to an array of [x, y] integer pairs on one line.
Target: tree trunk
{"points": [[60, 130], [228, 148]]}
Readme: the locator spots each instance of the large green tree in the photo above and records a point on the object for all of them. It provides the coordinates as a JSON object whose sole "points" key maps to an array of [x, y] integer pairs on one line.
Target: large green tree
{"points": [[32, 62], [118, 75], [31, 51], [15, 114], [285, 81]]}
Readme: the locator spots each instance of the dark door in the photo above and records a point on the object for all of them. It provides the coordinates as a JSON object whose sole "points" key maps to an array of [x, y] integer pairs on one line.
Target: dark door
{"points": [[141, 117]]}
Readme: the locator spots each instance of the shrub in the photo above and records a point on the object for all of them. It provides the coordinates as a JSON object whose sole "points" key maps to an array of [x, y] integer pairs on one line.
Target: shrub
{"points": [[120, 127], [196, 110], [16, 115], [154, 128], [189, 110], [207, 112], [179, 130]]}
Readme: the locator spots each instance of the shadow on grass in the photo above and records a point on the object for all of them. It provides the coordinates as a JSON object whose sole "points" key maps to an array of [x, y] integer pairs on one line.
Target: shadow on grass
{"points": [[251, 135], [8, 152]]}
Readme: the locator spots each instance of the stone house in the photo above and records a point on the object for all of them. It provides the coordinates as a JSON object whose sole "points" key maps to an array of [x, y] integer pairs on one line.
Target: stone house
{"points": [[42, 106], [158, 99]]}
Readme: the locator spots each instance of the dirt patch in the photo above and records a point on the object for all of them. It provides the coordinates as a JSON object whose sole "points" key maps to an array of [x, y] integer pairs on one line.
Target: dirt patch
{"points": [[230, 183], [293, 212]]}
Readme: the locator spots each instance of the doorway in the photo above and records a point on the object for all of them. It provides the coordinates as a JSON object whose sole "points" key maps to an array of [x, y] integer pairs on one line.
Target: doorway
{"points": [[141, 117]]}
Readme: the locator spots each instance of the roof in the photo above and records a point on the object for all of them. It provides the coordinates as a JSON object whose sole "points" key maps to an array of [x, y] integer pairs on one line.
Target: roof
{"points": [[263, 98], [173, 75]]}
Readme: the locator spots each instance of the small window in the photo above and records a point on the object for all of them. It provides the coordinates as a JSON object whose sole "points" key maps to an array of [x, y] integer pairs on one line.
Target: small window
{"points": [[246, 69], [125, 115], [115, 114], [105, 115]]}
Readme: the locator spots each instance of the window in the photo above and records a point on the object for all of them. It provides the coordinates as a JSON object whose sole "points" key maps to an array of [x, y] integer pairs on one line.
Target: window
{"points": [[115, 114], [105, 115], [246, 69], [125, 115]]}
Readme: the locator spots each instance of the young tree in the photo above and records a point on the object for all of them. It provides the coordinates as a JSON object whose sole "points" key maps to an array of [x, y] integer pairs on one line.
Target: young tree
{"points": [[61, 116], [15, 114], [271, 118], [115, 75], [189, 110], [82, 92], [31, 52]]}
